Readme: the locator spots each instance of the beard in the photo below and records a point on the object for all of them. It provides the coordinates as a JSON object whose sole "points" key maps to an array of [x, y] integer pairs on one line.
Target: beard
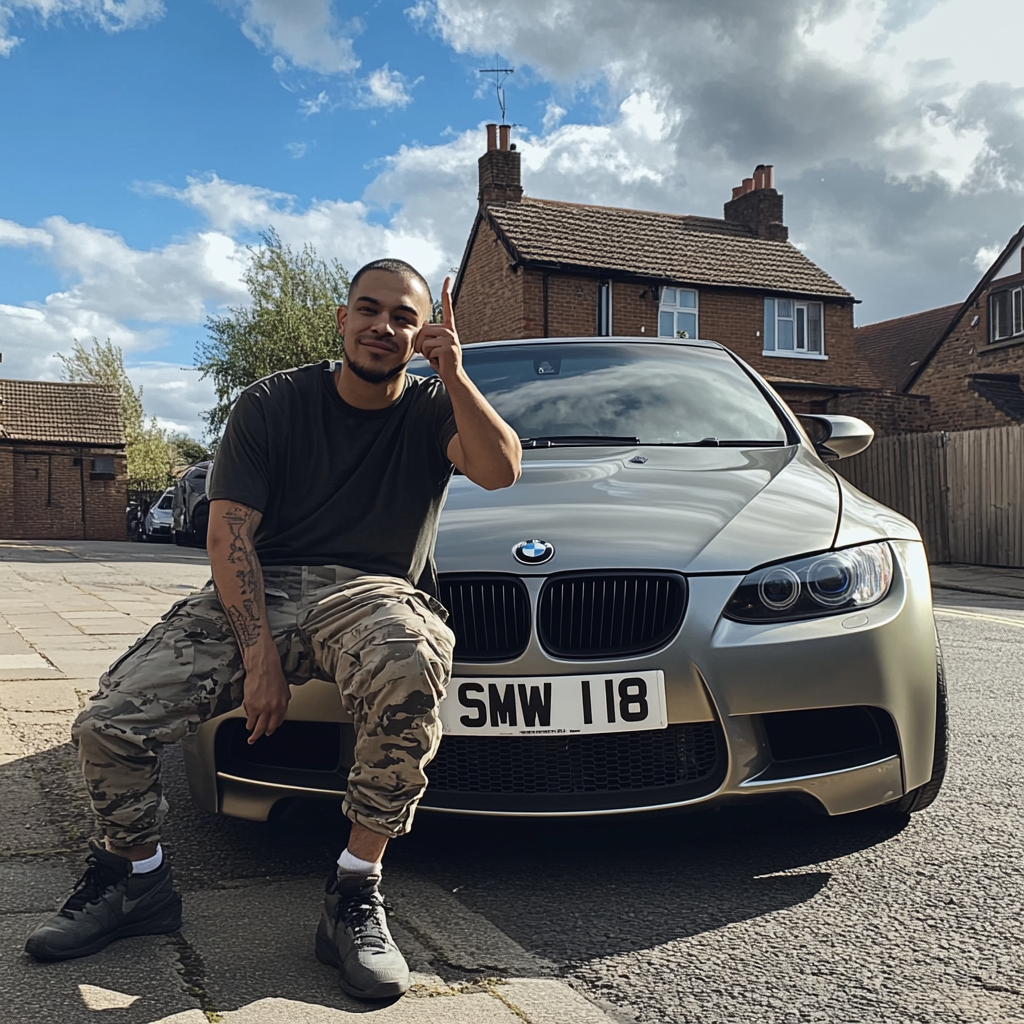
{"points": [[372, 376]]}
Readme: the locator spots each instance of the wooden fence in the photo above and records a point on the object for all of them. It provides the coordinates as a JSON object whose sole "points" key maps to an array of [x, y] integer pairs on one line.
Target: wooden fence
{"points": [[964, 490]]}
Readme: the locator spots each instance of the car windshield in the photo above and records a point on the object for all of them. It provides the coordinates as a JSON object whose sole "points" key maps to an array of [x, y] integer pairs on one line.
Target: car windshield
{"points": [[166, 501], [624, 393]]}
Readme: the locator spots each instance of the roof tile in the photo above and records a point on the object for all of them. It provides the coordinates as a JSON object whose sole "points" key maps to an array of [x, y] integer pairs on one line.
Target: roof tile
{"points": [[892, 349], [76, 413], [671, 247]]}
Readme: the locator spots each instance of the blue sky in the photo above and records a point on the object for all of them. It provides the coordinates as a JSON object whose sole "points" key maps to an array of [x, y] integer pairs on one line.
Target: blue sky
{"points": [[146, 143]]}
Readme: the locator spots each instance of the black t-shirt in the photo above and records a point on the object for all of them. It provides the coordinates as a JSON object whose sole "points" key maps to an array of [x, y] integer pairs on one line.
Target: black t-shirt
{"points": [[339, 485]]}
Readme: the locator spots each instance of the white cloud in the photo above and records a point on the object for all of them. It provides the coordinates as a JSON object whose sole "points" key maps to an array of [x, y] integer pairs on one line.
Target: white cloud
{"points": [[173, 394], [986, 256], [553, 115], [301, 34], [420, 12], [897, 135], [310, 107], [387, 88], [110, 15], [131, 296], [297, 150]]}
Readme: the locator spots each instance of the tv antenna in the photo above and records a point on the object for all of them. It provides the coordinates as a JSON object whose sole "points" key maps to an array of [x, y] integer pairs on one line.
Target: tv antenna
{"points": [[500, 74]]}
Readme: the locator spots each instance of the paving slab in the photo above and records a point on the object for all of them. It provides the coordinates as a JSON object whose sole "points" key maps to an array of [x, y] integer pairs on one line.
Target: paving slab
{"points": [[122, 626], [473, 1008], [81, 663], [41, 694], [26, 666], [979, 579], [546, 1001]]}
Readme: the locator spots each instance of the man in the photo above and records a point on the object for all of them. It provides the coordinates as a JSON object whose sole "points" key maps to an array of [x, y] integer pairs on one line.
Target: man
{"points": [[324, 501]]}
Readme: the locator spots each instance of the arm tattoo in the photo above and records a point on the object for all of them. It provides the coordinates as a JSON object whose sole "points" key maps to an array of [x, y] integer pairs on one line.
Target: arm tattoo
{"points": [[246, 617]]}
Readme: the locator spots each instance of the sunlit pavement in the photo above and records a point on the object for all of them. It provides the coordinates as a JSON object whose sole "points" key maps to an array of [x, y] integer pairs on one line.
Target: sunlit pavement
{"points": [[738, 916]]}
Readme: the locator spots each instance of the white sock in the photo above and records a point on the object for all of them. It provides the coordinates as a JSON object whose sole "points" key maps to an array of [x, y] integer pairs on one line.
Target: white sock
{"points": [[141, 867], [348, 864]]}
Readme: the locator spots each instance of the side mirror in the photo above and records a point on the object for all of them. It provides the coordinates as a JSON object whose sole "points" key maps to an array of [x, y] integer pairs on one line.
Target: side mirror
{"points": [[837, 437]]}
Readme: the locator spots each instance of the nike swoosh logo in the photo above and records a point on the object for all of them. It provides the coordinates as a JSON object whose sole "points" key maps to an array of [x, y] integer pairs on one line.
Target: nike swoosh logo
{"points": [[127, 905]]}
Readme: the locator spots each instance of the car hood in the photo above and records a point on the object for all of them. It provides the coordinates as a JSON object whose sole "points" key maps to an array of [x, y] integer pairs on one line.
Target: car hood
{"points": [[690, 509]]}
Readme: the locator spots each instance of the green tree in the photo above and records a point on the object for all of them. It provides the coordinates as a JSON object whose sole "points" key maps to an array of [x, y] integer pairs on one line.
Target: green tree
{"points": [[150, 451], [291, 321], [190, 450]]}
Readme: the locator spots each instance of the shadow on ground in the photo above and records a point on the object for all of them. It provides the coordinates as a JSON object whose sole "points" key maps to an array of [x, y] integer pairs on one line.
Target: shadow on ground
{"points": [[568, 891]]}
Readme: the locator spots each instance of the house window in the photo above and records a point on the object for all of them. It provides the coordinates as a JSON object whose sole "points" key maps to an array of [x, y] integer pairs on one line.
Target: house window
{"points": [[1006, 314], [102, 468], [794, 327], [604, 309], [677, 317]]}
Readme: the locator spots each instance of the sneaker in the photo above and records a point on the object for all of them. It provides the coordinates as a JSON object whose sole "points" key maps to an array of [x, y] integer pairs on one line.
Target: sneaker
{"points": [[353, 936], [108, 903]]}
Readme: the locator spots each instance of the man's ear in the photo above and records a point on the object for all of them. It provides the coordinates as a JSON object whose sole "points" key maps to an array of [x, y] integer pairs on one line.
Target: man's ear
{"points": [[342, 317]]}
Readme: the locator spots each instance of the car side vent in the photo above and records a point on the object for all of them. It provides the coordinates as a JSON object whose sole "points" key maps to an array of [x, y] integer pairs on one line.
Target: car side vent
{"points": [[490, 616], [589, 615]]}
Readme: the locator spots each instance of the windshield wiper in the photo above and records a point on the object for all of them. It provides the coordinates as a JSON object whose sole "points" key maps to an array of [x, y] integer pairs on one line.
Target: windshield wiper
{"points": [[714, 442], [558, 440]]}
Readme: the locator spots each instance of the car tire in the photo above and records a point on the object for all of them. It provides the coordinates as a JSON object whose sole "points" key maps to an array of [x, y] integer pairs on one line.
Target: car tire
{"points": [[179, 538], [924, 796]]}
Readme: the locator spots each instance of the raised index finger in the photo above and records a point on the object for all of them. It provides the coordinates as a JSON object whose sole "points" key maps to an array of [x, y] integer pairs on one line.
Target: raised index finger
{"points": [[447, 316]]}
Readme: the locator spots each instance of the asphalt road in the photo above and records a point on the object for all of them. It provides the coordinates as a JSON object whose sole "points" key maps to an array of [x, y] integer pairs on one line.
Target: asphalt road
{"points": [[770, 916]]}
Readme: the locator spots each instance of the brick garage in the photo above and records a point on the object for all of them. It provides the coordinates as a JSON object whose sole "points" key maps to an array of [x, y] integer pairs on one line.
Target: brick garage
{"points": [[63, 474], [536, 268]]}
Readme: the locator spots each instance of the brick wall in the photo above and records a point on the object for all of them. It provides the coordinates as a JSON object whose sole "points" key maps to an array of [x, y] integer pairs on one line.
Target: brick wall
{"points": [[489, 306], [496, 302], [736, 319], [6, 491], [572, 306], [945, 380], [41, 494], [886, 412], [634, 309]]}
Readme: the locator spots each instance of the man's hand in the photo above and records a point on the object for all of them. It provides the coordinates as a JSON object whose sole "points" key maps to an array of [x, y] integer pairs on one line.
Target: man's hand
{"points": [[265, 700], [439, 343]]}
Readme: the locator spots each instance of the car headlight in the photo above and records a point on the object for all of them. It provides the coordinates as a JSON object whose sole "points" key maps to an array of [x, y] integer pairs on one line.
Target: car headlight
{"points": [[836, 581]]}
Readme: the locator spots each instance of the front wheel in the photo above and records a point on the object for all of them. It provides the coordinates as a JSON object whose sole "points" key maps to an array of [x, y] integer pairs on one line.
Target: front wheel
{"points": [[924, 796]]}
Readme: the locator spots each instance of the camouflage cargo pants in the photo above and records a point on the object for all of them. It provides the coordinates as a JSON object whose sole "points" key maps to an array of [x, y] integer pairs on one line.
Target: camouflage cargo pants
{"points": [[384, 643]]}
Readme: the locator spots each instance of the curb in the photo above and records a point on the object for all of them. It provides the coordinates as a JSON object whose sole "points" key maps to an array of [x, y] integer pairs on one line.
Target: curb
{"points": [[991, 591]]}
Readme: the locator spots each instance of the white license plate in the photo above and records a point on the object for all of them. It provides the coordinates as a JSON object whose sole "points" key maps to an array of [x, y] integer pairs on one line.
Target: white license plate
{"points": [[554, 705]]}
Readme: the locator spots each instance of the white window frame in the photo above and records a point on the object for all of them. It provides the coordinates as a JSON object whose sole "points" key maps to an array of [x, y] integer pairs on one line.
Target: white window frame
{"points": [[676, 294], [604, 309], [1014, 329], [782, 314]]}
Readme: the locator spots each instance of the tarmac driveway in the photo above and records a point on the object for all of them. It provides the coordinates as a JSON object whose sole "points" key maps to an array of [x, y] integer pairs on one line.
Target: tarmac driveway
{"points": [[756, 916]]}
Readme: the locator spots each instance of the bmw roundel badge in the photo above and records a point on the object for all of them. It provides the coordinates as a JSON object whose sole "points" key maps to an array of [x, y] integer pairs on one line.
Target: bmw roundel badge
{"points": [[533, 552]]}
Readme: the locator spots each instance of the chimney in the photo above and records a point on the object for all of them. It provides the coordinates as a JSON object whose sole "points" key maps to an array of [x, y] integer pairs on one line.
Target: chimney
{"points": [[499, 169], [756, 205]]}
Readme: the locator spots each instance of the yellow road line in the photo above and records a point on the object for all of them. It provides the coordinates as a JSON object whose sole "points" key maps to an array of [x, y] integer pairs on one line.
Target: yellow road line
{"points": [[1019, 623]]}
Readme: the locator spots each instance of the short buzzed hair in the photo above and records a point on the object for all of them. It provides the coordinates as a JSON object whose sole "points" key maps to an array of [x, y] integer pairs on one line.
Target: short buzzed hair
{"points": [[392, 266]]}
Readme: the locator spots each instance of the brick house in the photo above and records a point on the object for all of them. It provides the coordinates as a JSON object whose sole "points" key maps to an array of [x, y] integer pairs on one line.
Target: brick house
{"points": [[537, 268], [63, 473], [891, 351], [971, 372]]}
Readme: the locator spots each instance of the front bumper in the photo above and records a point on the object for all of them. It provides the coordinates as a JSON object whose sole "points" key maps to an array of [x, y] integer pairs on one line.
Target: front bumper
{"points": [[879, 662]]}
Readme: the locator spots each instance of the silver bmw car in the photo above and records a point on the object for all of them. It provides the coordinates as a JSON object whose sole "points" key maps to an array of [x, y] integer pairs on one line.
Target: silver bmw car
{"points": [[679, 603]]}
